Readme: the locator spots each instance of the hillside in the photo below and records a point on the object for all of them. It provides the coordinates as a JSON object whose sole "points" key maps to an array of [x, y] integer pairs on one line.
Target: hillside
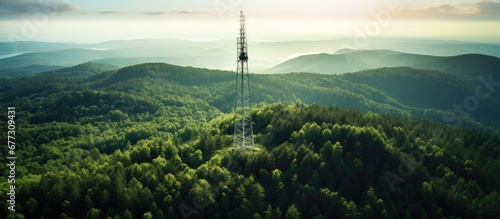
{"points": [[7, 48], [151, 140], [467, 67], [397, 93], [30, 63], [424, 88]]}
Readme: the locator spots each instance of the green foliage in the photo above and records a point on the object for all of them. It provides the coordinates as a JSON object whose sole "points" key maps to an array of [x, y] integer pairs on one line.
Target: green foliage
{"points": [[151, 141]]}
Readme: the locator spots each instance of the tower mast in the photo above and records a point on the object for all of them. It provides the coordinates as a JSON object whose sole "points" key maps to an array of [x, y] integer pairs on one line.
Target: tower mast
{"points": [[243, 130]]}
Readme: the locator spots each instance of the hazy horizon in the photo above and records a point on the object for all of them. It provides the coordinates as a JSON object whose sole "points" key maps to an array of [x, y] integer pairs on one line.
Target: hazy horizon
{"points": [[319, 39], [91, 22]]}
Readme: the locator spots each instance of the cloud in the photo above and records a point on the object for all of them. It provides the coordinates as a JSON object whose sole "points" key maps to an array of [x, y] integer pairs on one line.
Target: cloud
{"points": [[22, 7], [109, 12], [155, 13], [479, 10], [189, 12], [176, 13], [489, 8], [450, 9]]}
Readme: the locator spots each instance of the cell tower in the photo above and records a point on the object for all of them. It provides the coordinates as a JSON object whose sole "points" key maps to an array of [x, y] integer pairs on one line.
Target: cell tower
{"points": [[243, 130]]}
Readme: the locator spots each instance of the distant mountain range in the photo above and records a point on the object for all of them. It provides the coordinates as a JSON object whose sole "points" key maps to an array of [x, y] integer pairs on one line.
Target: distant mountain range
{"points": [[467, 66], [24, 58]]}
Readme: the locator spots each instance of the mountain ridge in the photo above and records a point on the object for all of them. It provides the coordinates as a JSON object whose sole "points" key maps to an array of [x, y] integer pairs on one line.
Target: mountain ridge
{"points": [[359, 90], [210, 54], [466, 66]]}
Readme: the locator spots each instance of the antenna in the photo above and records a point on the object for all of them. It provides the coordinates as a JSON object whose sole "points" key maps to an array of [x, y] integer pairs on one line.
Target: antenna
{"points": [[243, 129]]}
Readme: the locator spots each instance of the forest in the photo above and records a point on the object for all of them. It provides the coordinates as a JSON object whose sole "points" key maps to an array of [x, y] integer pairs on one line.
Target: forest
{"points": [[152, 141]]}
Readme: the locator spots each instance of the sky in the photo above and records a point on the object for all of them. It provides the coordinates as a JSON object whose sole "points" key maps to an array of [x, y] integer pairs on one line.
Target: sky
{"points": [[201, 20]]}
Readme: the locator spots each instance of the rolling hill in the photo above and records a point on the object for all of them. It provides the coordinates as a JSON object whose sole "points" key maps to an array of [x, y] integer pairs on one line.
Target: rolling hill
{"points": [[398, 90], [467, 66]]}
